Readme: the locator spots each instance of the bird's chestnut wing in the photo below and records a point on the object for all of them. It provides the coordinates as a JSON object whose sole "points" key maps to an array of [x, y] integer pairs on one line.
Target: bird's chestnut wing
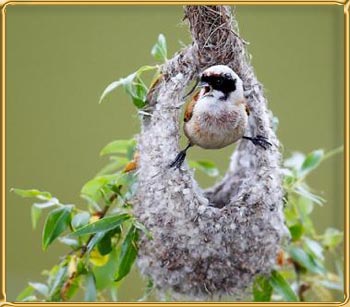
{"points": [[190, 107]]}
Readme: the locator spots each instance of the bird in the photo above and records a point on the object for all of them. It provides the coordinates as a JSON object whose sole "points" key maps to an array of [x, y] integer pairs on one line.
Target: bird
{"points": [[217, 115]]}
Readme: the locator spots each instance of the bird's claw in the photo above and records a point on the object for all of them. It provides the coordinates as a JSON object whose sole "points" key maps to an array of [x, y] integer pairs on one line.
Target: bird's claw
{"points": [[180, 158], [259, 140]]}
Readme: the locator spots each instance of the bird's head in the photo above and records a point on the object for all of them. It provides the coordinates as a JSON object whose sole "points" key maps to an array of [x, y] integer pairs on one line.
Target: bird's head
{"points": [[222, 82]]}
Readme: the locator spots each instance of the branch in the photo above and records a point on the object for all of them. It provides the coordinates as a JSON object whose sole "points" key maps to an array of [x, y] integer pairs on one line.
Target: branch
{"points": [[211, 242]]}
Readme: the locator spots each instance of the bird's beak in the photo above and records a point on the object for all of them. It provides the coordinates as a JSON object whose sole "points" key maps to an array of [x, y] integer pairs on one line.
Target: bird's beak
{"points": [[206, 86], [203, 84]]}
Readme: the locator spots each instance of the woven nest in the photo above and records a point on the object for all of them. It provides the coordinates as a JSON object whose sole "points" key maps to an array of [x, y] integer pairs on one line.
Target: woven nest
{"points": [[213, 242]]}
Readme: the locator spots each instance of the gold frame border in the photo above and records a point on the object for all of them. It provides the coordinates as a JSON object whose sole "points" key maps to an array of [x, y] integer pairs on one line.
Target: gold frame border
{"points": [[346, 6]]}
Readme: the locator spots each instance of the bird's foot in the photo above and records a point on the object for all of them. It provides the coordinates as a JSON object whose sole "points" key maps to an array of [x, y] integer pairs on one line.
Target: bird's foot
{"points": [[180, 158], [259, 140]]}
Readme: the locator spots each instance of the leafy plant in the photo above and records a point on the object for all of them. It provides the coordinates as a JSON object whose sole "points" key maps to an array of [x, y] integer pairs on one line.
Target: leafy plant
{"points": [[133, 84], [103, 238], [301, 272], [97, 236], [105, 234]]}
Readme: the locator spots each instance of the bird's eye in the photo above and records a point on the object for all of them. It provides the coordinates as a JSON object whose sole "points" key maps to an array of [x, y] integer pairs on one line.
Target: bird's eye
{"points": [[219, 81]]}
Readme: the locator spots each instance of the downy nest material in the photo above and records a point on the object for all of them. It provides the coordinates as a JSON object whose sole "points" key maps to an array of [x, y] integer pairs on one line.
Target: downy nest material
{"points": [[213, 242]]}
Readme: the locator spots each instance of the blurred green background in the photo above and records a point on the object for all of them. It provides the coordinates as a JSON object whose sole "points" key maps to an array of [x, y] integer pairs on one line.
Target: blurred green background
{"points": [[60, 58]]}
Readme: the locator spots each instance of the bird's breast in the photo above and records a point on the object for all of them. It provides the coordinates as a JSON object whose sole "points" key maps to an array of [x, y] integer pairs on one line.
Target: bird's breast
{"points": [[214, 128]]}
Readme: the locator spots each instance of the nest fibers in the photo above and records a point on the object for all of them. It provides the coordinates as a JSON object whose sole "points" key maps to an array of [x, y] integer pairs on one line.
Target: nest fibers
{"points": [[214, 242]]}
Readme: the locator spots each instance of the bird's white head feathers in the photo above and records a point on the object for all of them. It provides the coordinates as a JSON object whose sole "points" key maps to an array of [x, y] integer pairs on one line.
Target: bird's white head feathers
{"points": [[223, 81]]}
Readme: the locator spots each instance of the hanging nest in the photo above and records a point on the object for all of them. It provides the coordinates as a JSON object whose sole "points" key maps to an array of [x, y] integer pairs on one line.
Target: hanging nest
{"points": [[213, 242]]}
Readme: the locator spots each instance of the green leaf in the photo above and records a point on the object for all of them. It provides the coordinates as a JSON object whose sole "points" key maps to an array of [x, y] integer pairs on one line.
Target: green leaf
{"points": [[295, 161], [314, 248], [36, 210], [102, 225], [104, 275], [95, 239], [262, 289], [114, 85], [93, 187], [112, 167], [40, 288], [127, 83], [312, 160], [104, 246], [159, 50], [56, 222], [145, 68], [303, 191], [92, 203], [118, 147], [90, 288], [305, 206], [126, 181], [82, 267], [128, 254], [80, 219], [26, 292], [332, 237], [57, 283], [281, 286], [137, 90], [288, 179], [69, 241], [207, 167], [306, 260], [32, 193], [99, 236], [143, 228], [53, 201], [110, 88], [290, 213], [296, 231]]}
